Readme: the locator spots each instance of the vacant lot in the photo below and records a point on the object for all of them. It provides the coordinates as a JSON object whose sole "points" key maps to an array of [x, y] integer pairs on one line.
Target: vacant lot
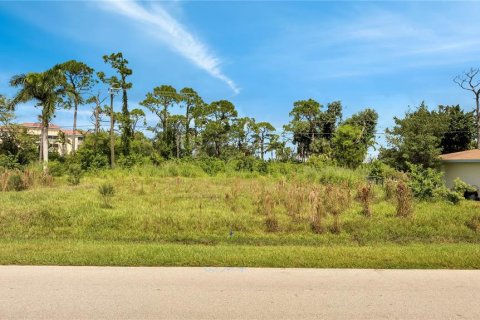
{"points": [[155, 219]]}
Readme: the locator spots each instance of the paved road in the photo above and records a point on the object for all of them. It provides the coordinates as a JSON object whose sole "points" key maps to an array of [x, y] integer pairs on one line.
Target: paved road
{"points": [[236, 293]]}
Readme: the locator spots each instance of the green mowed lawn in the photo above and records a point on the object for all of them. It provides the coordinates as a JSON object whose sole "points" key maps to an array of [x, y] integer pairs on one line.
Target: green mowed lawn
{"points": [[216, 221], [96, 253]]}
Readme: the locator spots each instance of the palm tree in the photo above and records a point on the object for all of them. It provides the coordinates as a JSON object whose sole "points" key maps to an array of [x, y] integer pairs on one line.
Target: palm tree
{"points": [[62, 139], [46, 88]]}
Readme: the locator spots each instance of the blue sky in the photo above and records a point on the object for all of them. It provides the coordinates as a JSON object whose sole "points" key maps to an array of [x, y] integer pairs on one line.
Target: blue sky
{"points": [[262, 56]]}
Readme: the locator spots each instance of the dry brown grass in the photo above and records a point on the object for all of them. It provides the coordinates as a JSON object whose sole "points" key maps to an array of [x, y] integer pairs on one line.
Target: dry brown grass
{"points": [[16, 180], [337, 200], [404, 200], [317, 211], [390, 189], [365, 196]]}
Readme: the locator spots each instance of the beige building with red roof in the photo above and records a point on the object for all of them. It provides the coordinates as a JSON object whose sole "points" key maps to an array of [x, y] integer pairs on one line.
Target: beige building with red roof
{"points": [[55, 140], [464, 165]]}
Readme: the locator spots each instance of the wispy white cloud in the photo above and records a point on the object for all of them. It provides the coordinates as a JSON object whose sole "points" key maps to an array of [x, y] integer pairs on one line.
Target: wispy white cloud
{"points": [[171, 32], [374, 41]]}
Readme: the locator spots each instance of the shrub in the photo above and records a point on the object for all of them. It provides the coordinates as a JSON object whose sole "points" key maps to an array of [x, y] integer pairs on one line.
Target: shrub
{"points": [[56, 168], [379, 171], [462, 187], [9, 162], [106, 191], [319, 161], [423, 182], [131, 160], [15, 182], [448, 195], [404, 200], [74, 174], [212, 166]]}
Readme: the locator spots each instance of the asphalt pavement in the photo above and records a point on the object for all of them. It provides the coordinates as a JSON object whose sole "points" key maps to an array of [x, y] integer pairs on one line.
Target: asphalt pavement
{"points": [[37, 292]]}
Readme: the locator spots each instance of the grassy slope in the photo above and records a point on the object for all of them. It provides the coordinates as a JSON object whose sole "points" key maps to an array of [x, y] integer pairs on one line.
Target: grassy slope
{"points": [[154, 217]]}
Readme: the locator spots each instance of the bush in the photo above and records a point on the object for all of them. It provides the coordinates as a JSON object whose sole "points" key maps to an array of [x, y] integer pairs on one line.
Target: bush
{"points": [[448, 195], [9, 162], [74, 174], [106, 191], [379, 171], [56, 168], [131, 160], [319, 161], [424, 182], [212, 166], [15, 182], [462, 187]]}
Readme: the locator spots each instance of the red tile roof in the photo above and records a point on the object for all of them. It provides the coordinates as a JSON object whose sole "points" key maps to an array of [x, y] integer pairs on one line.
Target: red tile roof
{"points": [[70, 132], [51, 126], [469, 155]]}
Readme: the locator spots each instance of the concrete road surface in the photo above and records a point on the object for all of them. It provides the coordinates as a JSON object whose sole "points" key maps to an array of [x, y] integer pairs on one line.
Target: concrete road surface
{"points": [[236, 293]]}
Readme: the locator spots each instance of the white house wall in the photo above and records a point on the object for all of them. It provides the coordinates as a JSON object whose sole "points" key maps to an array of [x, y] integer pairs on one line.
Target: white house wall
{"points": [[466, 171]]}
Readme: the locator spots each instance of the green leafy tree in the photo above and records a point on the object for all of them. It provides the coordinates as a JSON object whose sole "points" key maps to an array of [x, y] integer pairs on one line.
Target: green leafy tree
{"points": [[367, 121], [190, 101], [46, 88], [264, 132], [347, 147], [460, 132], [329, 119], [217, 124], [137, 115], [414, 139], [423, 134], [310, 124], [80, 80], [304, 125], [120, 64], [159, 101], [242, 135]]}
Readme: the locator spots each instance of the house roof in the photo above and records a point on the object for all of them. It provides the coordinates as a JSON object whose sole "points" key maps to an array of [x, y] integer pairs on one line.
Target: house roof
{"points": [[462, 156], [38, 125], [70, 132], [51, 126]]}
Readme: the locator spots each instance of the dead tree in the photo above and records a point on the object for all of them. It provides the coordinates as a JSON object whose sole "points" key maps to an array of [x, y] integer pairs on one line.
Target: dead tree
{"points": [[469, 81]]}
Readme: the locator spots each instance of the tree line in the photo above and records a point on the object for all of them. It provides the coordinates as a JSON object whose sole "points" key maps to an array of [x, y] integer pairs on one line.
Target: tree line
{"points": [[215, 129]]}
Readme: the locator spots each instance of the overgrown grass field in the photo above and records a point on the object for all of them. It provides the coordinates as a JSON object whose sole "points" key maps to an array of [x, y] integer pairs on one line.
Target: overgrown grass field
{"points": [[174, 216]]}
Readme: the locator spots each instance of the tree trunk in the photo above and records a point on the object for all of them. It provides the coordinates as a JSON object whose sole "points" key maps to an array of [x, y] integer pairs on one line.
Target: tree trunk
{"points": [[187, 131], [97, 127], [262, 141], [40, 145], [178, 145], [74, 144], [127, 128], [112, 133], [477, 100], [45, 148]]}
